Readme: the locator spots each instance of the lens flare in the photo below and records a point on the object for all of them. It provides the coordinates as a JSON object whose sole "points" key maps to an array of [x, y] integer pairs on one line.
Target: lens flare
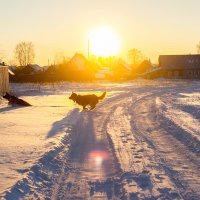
{"points": [[97, 157]]}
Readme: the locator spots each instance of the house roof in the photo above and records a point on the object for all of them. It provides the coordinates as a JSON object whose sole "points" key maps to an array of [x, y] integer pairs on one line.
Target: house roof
{"points": [[179, 61], [31, 69], [11, 72], [79, 61]]}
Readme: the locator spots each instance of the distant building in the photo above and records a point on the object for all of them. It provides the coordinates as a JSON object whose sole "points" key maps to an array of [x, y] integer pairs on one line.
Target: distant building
{"points": [[4, 79], [31, 69], [104, 74], [79, 62], [78, 68], [176, 66]]}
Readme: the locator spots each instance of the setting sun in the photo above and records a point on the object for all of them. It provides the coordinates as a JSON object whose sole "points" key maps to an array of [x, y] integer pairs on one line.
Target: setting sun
{"points": [[104, 42]]}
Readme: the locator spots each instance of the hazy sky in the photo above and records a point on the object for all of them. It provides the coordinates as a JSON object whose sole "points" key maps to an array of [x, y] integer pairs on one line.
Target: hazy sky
{"points": [[153, 26]]}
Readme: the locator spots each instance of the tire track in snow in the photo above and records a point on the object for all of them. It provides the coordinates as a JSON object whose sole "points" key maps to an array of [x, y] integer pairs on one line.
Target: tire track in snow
{"points": [[182, 168], [142, 176], [181, 124], [93, 164]]}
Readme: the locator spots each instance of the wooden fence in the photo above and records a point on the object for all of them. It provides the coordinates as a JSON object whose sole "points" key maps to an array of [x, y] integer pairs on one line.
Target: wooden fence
{"points": [[4, 80]]}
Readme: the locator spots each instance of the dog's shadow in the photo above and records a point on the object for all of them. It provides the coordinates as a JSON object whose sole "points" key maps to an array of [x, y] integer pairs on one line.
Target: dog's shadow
{"points": [[63, 124], [10, 108]]}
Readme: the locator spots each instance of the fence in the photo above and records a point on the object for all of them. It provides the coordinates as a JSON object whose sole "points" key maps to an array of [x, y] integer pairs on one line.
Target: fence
{"points": [[4, 80]]}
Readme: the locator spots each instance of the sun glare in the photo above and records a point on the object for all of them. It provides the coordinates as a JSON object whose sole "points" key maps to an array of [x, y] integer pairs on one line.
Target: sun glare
{"points": [[104, 42]]}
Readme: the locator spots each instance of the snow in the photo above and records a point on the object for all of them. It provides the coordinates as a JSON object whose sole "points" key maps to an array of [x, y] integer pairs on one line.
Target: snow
{"points": [[141, 142], [27, 132]]}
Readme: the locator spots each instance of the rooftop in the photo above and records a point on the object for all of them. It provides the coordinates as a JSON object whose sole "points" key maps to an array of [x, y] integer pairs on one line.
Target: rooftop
{"points": [[180, 61]]}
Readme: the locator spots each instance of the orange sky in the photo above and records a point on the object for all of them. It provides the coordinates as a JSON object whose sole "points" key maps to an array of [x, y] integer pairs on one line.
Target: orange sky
{"points": [[62, 26]]}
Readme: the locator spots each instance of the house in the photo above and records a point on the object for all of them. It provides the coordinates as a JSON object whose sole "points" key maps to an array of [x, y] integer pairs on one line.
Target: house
{"points": [[176, 66], [121, 69], [31, 72], [79, 62], [31, 69], [104, 73], [4, 79], [77, 68]]}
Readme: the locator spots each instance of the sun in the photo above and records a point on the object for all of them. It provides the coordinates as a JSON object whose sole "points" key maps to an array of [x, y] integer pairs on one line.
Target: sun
{"points": [[103, 42]]}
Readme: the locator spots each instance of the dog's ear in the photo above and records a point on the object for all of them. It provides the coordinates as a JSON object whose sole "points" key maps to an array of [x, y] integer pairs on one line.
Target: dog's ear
{"points": [[6, 95]]}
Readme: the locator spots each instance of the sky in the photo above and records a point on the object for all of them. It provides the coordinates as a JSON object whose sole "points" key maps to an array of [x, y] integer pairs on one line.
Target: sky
{"points": [[58, 27]]}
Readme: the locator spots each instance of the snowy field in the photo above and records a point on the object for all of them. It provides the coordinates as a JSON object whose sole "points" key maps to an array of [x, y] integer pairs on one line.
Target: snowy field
{"points": [[141, 142]]}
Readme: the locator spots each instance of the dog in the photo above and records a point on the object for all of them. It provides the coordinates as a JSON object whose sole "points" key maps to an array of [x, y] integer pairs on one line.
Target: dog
{"points": [[15, 100], [87, 100]]}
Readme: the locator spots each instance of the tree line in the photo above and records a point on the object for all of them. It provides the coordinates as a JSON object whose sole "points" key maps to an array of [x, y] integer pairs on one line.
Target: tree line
{"points": [[25, 54], [65, 70]]}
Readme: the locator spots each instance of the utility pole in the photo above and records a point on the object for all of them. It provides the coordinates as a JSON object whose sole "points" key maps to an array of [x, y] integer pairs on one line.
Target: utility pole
{"points": [[88, 49]]}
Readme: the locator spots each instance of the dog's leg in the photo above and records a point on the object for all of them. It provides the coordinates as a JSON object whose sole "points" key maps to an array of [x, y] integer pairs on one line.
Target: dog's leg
{"points": [[84, 108], [92, 106]]}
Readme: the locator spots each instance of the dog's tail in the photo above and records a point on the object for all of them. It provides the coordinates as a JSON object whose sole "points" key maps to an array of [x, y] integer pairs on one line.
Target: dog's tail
{"points": [[102, 96]]}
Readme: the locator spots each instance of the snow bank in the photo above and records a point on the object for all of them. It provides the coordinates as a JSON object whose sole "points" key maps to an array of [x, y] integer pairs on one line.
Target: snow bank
{"points": [[28, 132], [181, 112]]}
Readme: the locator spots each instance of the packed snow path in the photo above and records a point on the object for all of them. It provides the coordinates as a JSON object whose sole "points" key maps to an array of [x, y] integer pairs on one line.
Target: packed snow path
{"points": [[142, 142]]}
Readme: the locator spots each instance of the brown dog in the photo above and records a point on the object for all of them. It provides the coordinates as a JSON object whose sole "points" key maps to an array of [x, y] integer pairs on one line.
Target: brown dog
{"points": [[85, 100], [15, 100]]}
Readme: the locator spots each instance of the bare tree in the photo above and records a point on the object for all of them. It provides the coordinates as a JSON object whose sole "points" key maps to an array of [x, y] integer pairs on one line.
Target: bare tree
{"points": [[198, 48], [24, 52], [135, 56]]}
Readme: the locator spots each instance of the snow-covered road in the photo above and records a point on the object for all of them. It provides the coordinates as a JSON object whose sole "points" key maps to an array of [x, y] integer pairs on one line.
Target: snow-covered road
{"points": [[141, 142]]}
